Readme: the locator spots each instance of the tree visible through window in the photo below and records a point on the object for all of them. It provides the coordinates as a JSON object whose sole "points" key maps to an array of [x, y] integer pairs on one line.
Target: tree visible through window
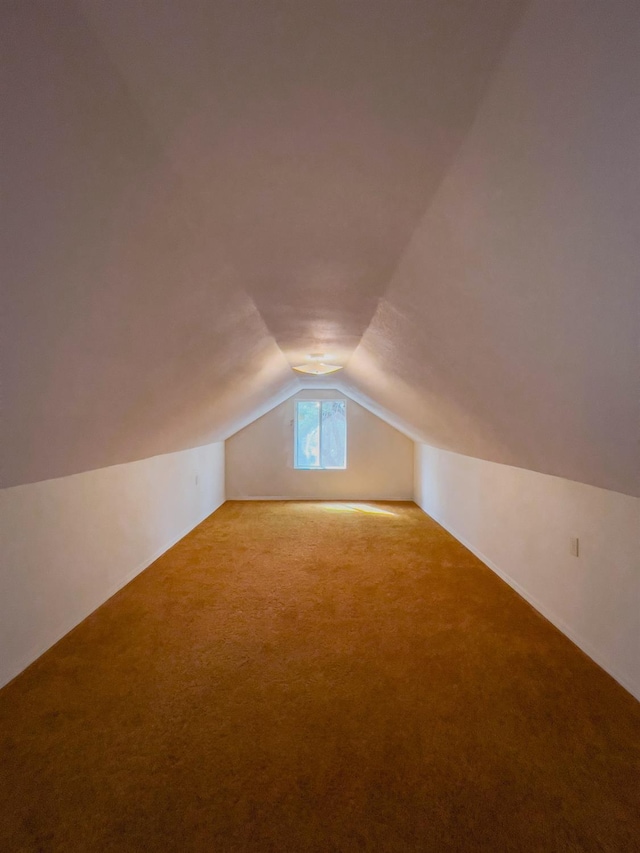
{"points": [[321, 434]]}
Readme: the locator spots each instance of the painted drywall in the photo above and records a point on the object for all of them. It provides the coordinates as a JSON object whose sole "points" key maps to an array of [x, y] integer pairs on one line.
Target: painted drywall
{"points": [[510, 328], [521, 524], [260, 458], [70, 543], [190, 189], [196, 194]]}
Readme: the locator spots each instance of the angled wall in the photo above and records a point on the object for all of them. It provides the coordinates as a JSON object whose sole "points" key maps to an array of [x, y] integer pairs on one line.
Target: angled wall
{"points": [[260, 459], [510, 330], [68, 544], [521, 524], [192, 191]]}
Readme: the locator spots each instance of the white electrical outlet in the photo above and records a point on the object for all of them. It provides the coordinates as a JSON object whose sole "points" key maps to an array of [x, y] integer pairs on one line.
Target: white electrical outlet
{"points": [[575, 546]]}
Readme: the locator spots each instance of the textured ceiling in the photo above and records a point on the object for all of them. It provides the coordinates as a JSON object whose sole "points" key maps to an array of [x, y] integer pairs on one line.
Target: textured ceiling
{"points": [[198, 194]]}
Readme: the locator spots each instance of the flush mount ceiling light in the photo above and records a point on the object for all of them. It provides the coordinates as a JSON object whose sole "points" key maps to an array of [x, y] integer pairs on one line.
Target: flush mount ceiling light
{"points": [[316, 366]]}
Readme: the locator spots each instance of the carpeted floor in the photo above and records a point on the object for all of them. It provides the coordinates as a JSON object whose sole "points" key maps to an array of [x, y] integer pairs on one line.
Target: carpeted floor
{"points": [[300, 676]]}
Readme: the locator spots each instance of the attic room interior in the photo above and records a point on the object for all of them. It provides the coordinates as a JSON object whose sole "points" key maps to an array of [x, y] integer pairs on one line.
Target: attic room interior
{"points": [[320, 425]]}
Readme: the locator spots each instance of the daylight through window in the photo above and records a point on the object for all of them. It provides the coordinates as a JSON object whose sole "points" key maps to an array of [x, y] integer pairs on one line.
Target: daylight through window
{"points": [[321, 434]]}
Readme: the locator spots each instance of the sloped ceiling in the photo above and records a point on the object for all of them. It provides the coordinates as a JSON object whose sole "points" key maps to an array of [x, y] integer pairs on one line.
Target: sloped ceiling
{"points": [[442, 193]]}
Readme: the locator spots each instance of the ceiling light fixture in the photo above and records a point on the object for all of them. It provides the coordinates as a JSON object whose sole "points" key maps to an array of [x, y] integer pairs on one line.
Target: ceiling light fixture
{"points": [[316, 366]]}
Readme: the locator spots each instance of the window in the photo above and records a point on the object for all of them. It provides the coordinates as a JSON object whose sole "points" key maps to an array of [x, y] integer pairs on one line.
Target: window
{"points": [[320, 440]]}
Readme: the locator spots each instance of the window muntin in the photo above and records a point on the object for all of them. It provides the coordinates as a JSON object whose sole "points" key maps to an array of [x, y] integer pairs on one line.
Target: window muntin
{"points": [[320, 435]]}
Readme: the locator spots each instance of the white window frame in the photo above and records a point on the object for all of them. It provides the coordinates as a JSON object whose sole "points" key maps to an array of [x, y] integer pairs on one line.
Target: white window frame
{"points": [[295, 435]]}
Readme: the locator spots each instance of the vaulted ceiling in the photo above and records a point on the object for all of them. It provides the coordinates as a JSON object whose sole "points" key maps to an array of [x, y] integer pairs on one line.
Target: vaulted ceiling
{"points": [[442, 194]]}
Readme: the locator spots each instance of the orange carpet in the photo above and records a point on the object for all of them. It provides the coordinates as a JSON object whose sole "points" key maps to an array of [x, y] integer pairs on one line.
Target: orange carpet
{"points": [[305, 677]]}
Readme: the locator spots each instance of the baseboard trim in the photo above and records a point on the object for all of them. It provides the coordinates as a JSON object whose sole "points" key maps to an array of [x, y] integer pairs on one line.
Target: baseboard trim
{"points": [[315, 498], [33, 655], [584, 645]]}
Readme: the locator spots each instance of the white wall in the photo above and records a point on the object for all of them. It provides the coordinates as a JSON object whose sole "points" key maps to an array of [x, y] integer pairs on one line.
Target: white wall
{"points": [[68, 544], [520, 523], [260, 458], [509, 330]]}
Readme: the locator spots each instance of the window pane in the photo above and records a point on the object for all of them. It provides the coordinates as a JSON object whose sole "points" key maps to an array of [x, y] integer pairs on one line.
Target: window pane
{"points": [[307, 434], [333, 441]]}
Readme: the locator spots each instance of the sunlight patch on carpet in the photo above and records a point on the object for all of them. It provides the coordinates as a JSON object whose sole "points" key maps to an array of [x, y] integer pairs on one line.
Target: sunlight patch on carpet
{"points": [[356, 507]]}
